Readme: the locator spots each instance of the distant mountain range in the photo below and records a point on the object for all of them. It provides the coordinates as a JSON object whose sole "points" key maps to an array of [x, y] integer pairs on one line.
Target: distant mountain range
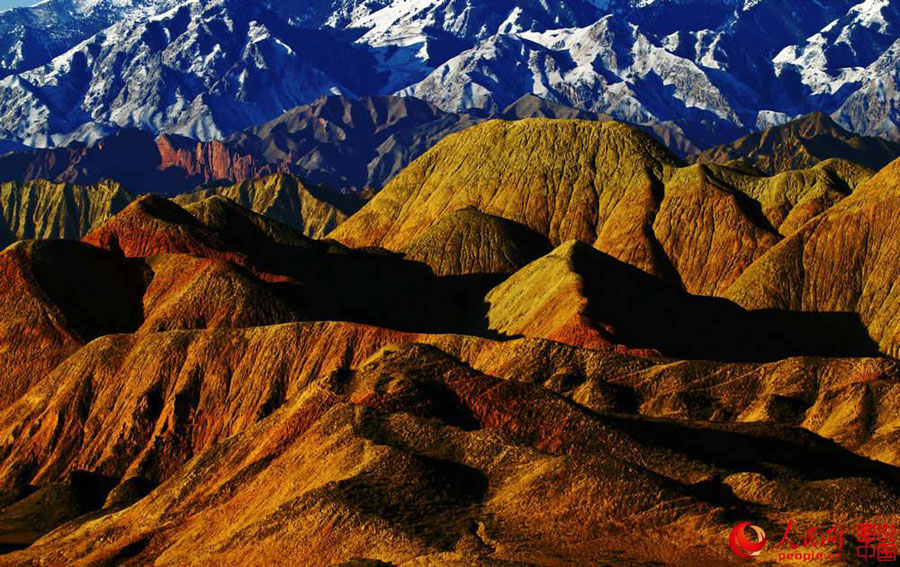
{"points": [[710, 71], [349, 145], [344, 143]]}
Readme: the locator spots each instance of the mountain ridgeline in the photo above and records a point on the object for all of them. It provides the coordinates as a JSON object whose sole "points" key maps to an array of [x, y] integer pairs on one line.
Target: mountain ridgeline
{"points": [[195, 382], [448, 283], [700, 68]]}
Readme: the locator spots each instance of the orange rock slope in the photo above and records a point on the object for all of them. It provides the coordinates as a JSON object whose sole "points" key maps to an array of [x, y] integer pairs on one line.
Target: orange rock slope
{"points": [[607, 185], [202, 385]]}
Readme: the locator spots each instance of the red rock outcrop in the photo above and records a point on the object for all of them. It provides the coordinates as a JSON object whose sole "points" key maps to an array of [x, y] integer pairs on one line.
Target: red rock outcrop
{"points": [[209, 161]]}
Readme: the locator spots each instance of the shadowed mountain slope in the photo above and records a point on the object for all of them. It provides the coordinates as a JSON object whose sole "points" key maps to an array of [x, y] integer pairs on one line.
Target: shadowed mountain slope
{"points": [[804, 143], [586, 298], [607, 185], [41, 209], [338, 141], [283, 198], [322, 435], [54, 297], [841, 261]]}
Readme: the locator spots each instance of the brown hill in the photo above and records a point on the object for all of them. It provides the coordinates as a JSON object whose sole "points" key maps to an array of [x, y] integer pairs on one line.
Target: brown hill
{"points": [[607, 185], [804, 143], [283, 198], [41, 209], [214, 227], [586, 298], [320, 435], [54, 297], [153, 225], [841, 261], [471, 242], [187, 292]]}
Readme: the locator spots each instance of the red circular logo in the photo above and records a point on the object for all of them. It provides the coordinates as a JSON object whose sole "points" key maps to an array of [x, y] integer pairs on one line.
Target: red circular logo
{"points": [[741, 545]]}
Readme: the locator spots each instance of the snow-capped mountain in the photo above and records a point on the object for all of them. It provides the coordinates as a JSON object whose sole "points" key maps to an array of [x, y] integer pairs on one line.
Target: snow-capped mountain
{"points": [[32, 36], [202, 69], [78, 69], [609, 67]]}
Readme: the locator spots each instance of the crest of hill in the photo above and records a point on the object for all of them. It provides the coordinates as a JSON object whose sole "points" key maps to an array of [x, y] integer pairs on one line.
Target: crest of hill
{"points": [[561, 178], [54, 297], [844, 260], [581, 296], [214, 227], [607, 185], [43, 209], [284, 198], [802, 144], [790, 198], [533, 106], [470, 242]]}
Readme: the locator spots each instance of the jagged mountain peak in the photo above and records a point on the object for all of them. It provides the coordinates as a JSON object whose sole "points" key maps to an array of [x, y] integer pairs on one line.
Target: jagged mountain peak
{"points": [[209, 68]]}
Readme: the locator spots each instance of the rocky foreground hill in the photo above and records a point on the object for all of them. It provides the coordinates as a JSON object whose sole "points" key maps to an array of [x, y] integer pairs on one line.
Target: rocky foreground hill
{"points": [[545, 342]]}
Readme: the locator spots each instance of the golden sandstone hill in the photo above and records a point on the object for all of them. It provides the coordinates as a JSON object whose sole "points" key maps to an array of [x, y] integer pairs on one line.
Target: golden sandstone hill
{"points": [[609, 186], [281, 197], [532, 374], [470, 242], [41, 209]]}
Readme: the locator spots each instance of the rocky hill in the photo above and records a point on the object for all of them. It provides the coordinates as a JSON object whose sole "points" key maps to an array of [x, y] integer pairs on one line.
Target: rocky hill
{"points": [[801, 144], [840, 261], [470, 242], [606, 185], [544, 343], [41, 209], [286, 199]]}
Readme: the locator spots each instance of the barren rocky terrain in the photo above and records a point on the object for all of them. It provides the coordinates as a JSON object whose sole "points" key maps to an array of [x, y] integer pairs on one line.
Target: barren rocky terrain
{"points": [[543, 343]]}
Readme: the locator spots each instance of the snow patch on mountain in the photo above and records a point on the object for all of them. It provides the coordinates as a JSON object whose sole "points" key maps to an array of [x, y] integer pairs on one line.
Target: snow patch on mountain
{"points": [[207, 68]]}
